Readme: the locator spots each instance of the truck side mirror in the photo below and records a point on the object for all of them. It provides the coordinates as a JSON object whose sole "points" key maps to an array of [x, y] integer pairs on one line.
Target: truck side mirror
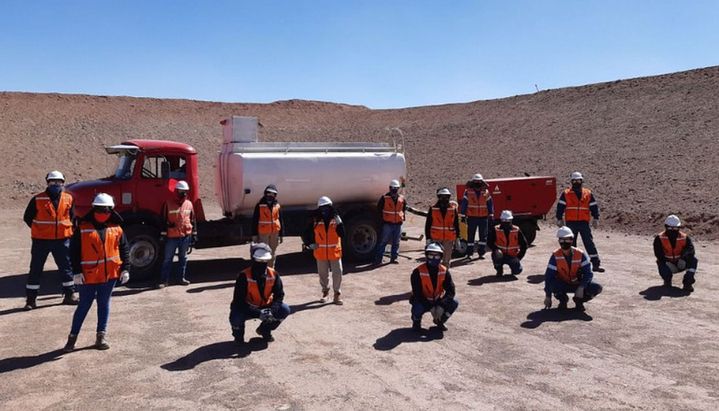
{"points": [[248, 191]]}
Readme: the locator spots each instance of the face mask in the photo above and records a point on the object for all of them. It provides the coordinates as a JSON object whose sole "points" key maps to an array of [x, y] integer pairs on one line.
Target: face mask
{"points": [[181, 194], [672, 234], [565, 245], [506, 224], [54, 190], [325, 211], [258, 268], [102, 217], [394, 191], [269, 198], [433, 261], [577, 185]]}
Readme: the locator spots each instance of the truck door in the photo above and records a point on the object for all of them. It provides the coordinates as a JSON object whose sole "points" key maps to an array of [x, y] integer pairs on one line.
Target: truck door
{"points": [[154, 185]]}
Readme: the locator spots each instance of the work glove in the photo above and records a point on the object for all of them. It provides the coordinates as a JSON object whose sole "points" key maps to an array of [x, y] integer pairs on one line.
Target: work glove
{"points": [[498, 253], [124, 277], [548, 302], [266, 315], [579, 293], [560, 222], [595, 223], [673, 268], [312, 246], [78, 279]]}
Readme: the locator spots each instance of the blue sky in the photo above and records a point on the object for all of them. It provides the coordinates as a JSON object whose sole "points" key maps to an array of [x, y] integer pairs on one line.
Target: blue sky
{"points": [[382, 54]]}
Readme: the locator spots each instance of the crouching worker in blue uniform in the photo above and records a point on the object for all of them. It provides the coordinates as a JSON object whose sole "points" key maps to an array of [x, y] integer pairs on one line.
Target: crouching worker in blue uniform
{"points": [[258, 294], [432, 289], [675, 253], [569, 271]]}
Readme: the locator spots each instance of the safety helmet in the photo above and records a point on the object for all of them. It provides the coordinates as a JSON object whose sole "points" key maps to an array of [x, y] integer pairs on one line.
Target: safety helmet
{"points": [[261, 252], [394, 184], [564, 232], [103, 200], [323, 201], [271, 189], [576, 176], [673, 221], [182, 186], [506, 215], [54, 175], [434, 247], [444, 191], [477, 177]]}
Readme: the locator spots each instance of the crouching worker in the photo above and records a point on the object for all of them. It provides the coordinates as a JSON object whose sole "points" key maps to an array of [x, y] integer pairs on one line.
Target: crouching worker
{"points": [[675, 253], [258, 294], [569, 271], [508, 245], [432, 289]]}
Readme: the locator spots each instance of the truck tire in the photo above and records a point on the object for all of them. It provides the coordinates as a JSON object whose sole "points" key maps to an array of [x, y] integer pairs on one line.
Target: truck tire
{"points": [[529, 229], [145, 251], [460, 248], [361, 238]]}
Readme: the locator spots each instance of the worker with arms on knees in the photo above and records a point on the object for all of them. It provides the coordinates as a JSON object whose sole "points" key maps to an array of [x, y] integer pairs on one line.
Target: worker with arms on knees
{"points": [[508, 245], [675, 253], [432, 289]]}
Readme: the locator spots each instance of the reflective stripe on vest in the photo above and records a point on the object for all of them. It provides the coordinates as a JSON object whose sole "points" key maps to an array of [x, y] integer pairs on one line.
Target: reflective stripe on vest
{"points": [[181, 217], [428, 290], [100, 261], [577, 209], [565, 272], [511, 247], [673, 254], [269, 220], [253, 297], [393, 212], [51, 224], [477, 204], [442, 228], [329, 245]]}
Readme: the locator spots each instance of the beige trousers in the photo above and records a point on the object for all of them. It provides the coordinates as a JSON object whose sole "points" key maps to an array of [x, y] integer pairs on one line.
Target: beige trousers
{"points": [[271, 239], [323, 268]]}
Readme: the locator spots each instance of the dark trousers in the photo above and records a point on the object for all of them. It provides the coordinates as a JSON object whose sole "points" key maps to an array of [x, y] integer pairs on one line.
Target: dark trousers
{"points": [[420, 308], [513, 262], [239, 316], [391, 233], [475, 224], [691, 268], [181, 244], [560, 290], [88, 293], [39, 251], [582, 228]]}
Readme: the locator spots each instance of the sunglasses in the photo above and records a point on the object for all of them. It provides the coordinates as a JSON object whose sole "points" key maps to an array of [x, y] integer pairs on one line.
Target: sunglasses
{"points": [[434, 256], [55, 183], [673, 228], [103, 210]]}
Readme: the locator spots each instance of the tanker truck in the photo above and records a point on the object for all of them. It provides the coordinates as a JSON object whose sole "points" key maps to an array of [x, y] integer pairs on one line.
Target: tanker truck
{"points": [[354, 175]]}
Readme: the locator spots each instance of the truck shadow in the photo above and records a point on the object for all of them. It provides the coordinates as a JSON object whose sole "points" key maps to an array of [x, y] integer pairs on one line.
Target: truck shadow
{"points": [[488, 279], [406, 335], [13, 286], [394, 298], [655, 293], [215, 351], [21, 363], [537, 318]]}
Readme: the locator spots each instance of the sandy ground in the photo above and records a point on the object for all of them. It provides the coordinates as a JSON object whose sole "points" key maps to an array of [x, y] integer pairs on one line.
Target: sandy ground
{"points": [[637, 346]]}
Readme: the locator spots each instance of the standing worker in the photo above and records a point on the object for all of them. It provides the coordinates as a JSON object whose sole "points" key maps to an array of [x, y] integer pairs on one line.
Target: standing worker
{"points": [[266, 222], [675, 253], [392, 206], [327, 231], [568, 271], [442, 224], [478, 208], [576, 206], [258, 294], [49, 216], [432, 289], [508, 245], [180, 232], [99, 254]]}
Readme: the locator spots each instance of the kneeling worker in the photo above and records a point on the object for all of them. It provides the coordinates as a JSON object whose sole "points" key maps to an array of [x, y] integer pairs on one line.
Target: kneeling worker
{"points": [[675, 253], [258, 294], [569, 271], [432, 289], [508, 245]]}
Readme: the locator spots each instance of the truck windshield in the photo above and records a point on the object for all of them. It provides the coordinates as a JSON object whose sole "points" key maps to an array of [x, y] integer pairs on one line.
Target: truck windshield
{"points": [[125, 166]]}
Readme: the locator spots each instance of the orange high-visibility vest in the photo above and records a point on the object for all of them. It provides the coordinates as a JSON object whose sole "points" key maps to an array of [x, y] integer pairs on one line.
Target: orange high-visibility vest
{"points": [[577, 209], [477, 203], [393, 212], [269, 221], [673, 254], [181, 217], [255, 298], [565, 272], [442, 228], [329, 244], [51, 224], [100, 261], [429, 291], [509, 247]]}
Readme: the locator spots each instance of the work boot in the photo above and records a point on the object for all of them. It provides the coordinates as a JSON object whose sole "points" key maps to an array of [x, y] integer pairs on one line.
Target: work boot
{"points": [[578, 304], [161, 285], [562, 305], [183, 281], [440, 325], [265, 334], [597, 269], [100, 342], [688, 288], [337, 300], [31, 301], [70, 344], [500, 271], [325, 293], [416, 325], [393, 260], [70, 297]]}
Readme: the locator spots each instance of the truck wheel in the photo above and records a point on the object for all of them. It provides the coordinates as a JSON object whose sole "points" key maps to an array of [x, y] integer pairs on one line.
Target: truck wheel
{"points": [[460, 249], [529, 229], [362, 235], [145, 251]]}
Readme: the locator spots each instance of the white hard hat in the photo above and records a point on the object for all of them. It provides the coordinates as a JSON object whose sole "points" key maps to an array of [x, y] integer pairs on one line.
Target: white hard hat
{"points": [[506, 216], [576, 176], [271, 189], [565, 232], [394, 184], [54, 175], [477, 177], [261, 252], [444, 191], [434, 247], [673, 221], [182, 185], [103, 200], [323, 201]]}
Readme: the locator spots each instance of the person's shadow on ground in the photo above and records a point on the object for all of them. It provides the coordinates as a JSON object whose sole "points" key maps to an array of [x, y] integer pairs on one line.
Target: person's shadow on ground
{"points": [[406, 335], [394, 298], [216, 351], [656, 292], [311, 305], [537, 318], [535, 279], [21, 363], [488, 279]]}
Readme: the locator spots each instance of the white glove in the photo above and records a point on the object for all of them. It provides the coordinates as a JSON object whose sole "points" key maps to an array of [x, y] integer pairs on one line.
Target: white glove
{"points": [[124, 277], [312, 246], [78, 279], [672, 267], [548, 302], [579, 293], [498, 253], [437, 312], [595, 223], [560, 222]]}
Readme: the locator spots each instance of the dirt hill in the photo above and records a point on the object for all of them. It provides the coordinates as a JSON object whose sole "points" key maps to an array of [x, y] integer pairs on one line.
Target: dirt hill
{"points": [[646, 146]]}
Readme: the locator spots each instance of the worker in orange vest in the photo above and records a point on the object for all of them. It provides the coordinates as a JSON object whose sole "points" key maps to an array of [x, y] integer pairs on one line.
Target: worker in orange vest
{"points": [[392, 207], [180, 233], [575, 208], [508, 245], [569, 271], [442, 223], [258, 294], [432, 289], [325, 239], [49, 216], [267, 221], [675, 253], [100, 259], [477, 207]]}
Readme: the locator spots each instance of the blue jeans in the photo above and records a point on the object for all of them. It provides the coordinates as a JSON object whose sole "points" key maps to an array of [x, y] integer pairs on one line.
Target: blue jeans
{"points": [[419, 308], [390, 233], [691, 268], [239, 316], [39, 251], [474, 224], [560, 289], [172, 244], [88, 293], [582, 228], [513, 262]]}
